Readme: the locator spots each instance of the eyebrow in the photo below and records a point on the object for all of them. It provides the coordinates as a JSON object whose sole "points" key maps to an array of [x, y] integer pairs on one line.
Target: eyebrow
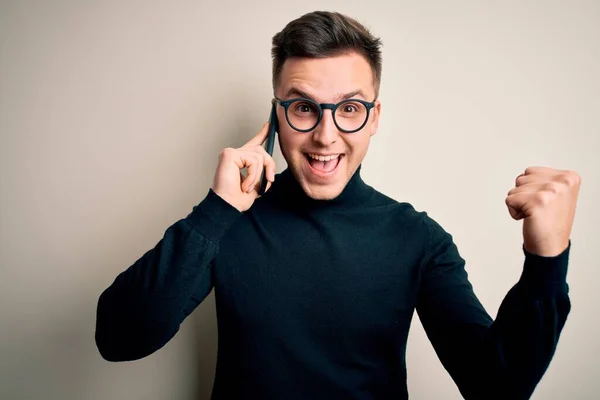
{"points": [[297, 92]]}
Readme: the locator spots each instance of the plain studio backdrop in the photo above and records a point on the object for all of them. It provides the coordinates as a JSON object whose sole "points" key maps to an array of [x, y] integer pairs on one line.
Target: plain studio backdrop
{"points": [[113, 114]]}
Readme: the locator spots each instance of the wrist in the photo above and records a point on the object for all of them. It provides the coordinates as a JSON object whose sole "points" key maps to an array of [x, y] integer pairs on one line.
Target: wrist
{"points": [[546, 249], [229, 200], [213, 216]]}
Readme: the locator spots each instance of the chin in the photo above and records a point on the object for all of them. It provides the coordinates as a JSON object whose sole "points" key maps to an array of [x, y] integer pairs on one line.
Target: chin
{"points": [[321, 193]]}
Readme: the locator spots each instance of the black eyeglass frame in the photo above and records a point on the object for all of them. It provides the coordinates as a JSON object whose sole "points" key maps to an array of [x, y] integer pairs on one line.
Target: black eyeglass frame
{"points": [[325, 106]]}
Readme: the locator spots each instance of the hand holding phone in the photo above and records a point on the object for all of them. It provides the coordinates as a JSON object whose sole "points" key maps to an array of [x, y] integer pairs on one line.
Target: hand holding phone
{"points": [[230, 184]]}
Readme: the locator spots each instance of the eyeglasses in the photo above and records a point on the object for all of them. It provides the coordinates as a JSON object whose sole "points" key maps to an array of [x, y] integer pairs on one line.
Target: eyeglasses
{"points": [[304, 115]]}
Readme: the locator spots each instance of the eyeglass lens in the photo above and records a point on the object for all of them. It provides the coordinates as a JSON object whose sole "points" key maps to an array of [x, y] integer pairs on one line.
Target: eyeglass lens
{"points": [[304, 115]]}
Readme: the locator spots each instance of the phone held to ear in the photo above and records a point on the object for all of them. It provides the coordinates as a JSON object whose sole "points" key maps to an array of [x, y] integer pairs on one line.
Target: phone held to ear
{"points": [[273, 128]]}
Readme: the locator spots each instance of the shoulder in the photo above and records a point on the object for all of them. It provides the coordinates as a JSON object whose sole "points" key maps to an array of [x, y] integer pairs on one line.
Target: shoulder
{"points": [[400, 219], [408, 216], [401, 211]]}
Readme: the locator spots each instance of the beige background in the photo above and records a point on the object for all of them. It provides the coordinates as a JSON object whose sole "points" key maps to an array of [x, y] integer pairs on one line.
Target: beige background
{"points": [[112, 114]]}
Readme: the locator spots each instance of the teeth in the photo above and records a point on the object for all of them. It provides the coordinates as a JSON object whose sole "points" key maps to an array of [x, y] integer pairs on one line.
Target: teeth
{"points": [[323, 158]]}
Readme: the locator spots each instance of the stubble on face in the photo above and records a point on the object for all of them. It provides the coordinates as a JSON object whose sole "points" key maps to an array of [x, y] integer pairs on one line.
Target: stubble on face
{"points": [[326, 80]]}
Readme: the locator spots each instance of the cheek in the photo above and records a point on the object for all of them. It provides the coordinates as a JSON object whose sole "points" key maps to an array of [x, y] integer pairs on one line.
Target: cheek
{"points": [[289, 141], [358, 145]]}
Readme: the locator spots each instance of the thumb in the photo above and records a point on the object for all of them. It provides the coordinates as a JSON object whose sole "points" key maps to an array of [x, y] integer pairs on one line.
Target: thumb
{"points": [[257, 188], [514, 207]]}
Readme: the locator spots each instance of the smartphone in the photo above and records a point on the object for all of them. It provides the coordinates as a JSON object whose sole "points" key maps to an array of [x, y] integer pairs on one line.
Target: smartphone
{"points": [[269, 144]]}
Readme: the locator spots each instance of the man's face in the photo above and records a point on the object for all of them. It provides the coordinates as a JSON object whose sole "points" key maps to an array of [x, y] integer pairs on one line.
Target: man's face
{"points": [[325, 80]]}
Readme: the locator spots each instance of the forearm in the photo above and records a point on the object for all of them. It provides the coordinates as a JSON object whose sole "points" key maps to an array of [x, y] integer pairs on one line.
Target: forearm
{"points": [[144, 306], [522, 340]]}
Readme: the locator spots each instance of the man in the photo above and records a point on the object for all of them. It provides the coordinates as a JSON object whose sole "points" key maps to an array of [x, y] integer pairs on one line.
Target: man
{"points": [[317, 280]]}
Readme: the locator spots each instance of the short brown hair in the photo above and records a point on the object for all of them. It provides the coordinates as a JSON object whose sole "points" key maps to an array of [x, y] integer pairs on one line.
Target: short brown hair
{"points": [[323, 34]]}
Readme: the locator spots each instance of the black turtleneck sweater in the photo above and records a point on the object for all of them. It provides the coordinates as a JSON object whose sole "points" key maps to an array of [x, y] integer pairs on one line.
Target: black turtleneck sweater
{"points": [[315, 298]]}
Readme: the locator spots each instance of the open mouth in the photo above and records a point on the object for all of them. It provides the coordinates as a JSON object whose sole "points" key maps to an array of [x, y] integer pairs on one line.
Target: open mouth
{"points": [[323, 164]]}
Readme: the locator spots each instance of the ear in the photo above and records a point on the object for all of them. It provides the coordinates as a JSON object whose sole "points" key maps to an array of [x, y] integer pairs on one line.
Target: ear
{"points": [[376, 112]]}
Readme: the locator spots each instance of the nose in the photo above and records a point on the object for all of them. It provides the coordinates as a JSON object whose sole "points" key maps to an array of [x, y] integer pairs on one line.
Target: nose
{"points": [[326, 133]]}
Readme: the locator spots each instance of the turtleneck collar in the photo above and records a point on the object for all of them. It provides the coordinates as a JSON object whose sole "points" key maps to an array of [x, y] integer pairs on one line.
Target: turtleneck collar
{"points": [[287, 190]]}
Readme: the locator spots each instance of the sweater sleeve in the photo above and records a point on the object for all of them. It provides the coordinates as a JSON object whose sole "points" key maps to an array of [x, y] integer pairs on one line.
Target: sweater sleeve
{"points": [[145, 305], [492, 359]]}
